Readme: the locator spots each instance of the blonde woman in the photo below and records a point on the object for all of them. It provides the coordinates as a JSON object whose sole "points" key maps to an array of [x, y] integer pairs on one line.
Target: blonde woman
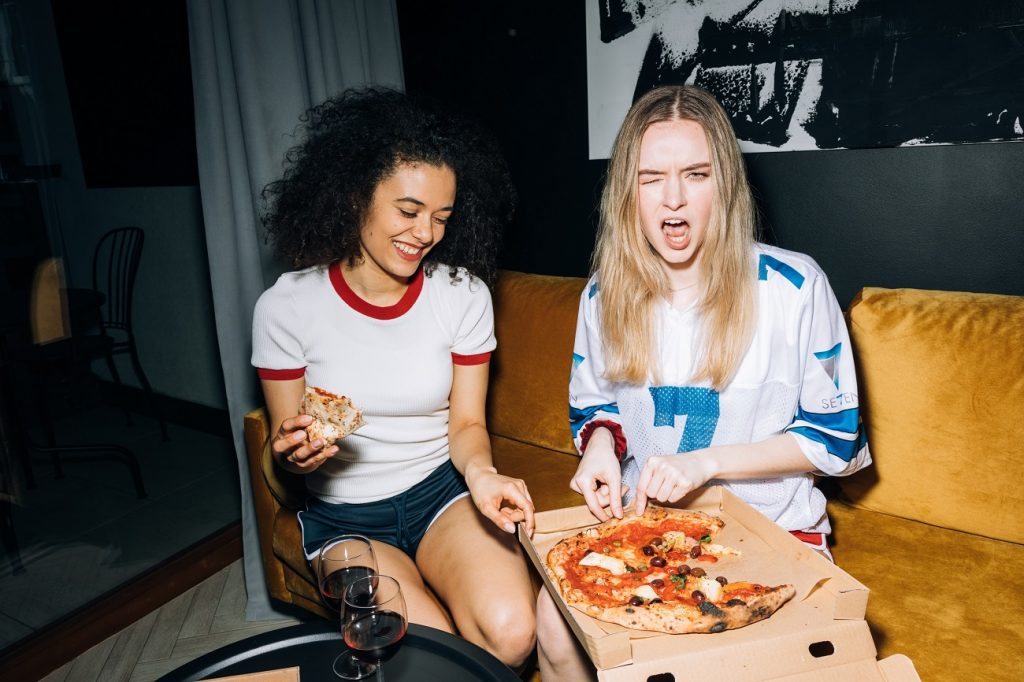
{"points": [[701, 355]]}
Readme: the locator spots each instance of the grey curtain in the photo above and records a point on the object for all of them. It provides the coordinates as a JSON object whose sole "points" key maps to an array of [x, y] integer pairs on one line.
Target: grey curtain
{"points": [[256, 66]]}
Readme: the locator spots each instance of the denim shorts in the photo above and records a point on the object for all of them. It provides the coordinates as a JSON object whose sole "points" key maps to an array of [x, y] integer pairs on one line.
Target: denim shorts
{"points": [[401, 521]]}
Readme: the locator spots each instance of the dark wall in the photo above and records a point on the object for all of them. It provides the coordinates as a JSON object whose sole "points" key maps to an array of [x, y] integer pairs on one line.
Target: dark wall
{"points": [[943, 217]]}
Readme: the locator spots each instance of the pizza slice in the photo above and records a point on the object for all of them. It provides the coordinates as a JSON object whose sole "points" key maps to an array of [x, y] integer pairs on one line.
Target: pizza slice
{"points": [[334, 416]]}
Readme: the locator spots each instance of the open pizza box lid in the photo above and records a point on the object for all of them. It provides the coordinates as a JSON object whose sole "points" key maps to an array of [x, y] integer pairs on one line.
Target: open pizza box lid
{"points": [[819, 634]]}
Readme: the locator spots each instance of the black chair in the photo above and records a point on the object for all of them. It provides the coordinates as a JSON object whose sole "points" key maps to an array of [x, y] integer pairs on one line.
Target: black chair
{"points": [[115, 265], [26, 367]]}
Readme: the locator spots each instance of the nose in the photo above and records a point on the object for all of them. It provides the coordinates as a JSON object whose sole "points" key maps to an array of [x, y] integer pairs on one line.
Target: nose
{"points": [[422, 230], [674, 195]]}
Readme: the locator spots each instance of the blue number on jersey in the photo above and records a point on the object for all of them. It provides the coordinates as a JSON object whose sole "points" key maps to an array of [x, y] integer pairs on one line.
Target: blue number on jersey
{"points": [[700, 405]]}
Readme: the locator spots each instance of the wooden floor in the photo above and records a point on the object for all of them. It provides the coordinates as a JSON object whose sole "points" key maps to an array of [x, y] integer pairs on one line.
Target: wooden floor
{"points": [[207, 617]]}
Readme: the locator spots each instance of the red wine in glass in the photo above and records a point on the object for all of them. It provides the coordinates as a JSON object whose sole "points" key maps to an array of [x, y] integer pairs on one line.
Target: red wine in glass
{"points": [[375, 637], [344, 560], [373, 620], [333, 585]]}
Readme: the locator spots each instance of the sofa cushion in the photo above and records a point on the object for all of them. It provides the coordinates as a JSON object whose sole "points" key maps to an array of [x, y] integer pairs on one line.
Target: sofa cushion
{"points": [[942, 390], [546, 472], [535, 323], [971, 629]]}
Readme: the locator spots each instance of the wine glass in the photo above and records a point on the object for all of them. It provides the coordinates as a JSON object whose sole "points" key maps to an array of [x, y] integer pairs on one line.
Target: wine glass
{"points": [[341, 561], [373, 619]]}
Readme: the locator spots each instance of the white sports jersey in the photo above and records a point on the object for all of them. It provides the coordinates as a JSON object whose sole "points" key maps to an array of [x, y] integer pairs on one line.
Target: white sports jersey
{"points": [[394, 362], [798, 377]]}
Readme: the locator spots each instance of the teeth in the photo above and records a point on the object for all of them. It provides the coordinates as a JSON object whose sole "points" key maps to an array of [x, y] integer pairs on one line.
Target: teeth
{"points": [[674, 223], [405, 248]]}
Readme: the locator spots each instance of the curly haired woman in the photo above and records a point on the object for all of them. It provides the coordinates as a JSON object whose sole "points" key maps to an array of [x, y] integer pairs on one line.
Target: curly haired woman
{"points": [[389, 213]]}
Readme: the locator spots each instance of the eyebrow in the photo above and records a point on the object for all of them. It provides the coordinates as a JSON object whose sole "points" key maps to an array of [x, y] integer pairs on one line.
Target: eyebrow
{"points": [[413, 200], [692, 166]]}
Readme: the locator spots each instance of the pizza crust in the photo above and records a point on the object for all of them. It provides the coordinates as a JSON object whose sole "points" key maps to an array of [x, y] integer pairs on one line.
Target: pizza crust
{"points": [[677, 619], [334, 416]]}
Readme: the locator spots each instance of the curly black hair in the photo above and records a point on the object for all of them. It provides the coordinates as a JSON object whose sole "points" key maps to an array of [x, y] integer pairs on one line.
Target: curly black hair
{"points": [[315, 212]]}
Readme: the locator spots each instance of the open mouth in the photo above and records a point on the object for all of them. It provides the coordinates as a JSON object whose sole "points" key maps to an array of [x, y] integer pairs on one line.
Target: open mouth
{"points": [[676, 231]]}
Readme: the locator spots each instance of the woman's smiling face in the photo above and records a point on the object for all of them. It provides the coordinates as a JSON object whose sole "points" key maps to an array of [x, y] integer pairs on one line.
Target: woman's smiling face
{"points": [[407, 218]]}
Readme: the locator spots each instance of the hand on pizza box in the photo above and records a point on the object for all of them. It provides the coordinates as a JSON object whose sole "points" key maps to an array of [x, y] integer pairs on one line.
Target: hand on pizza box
{"points": [[599, 479], [505, 501], [292, 445], [668, 478]]}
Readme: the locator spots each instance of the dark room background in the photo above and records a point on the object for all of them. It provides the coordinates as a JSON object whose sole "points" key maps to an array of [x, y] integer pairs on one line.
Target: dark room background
{"points": [[934, 217]]}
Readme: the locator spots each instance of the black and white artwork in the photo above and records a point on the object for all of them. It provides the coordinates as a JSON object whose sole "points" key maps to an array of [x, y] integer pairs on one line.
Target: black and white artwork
{"points": [[817, 74]]}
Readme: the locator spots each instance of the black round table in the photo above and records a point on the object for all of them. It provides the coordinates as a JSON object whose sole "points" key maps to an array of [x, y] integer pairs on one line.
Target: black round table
{"points": [[425, 654]]}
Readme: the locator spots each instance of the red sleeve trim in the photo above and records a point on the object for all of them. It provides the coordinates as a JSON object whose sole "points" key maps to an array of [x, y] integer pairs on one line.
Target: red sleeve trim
{"points": [[478, 359], [617, 435], [815, 540], [281, 374]]}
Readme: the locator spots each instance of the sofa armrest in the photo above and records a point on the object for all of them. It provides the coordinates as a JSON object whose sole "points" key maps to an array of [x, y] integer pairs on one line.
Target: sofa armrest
{"points": [[263, 479]]}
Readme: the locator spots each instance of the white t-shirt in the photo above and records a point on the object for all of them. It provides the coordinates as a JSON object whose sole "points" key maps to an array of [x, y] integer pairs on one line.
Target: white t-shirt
{"points": [[395, 363], [797, 376]]}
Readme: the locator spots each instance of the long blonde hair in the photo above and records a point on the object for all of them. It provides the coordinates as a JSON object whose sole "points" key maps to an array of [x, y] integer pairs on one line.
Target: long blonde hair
{"points": [[629, 273]]}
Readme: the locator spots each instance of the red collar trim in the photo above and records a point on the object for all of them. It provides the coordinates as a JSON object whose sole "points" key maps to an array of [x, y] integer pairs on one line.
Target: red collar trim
{"points": [[388, 312]]}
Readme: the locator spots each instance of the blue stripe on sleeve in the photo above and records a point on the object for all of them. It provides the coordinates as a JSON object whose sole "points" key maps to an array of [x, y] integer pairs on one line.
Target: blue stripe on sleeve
{"points": [[845, 422], [832, 352], [787, 271], [579, 417]]}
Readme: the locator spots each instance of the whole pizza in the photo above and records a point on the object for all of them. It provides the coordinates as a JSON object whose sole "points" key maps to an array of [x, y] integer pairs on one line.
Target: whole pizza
{"points": [[658, 572]]}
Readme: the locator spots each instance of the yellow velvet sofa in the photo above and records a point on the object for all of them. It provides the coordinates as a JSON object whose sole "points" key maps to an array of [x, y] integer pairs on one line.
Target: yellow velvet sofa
{"points": [[934, 529]]}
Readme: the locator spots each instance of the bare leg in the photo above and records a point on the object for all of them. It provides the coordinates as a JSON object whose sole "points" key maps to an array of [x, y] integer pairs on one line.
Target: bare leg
{"points": [[421, 605], [479, 572], [559, 653]]}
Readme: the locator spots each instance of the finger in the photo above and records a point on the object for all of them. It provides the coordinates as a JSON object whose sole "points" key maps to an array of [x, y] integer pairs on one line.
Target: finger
{"points": [[615, 494], [641, 489], [517, 497], [529, 520], [287, 441], [590, 495], [309, 450], [299, 421], [494, 515], [526, 491], [514, 514], [665, 490], [312, 455], [678, 492]]}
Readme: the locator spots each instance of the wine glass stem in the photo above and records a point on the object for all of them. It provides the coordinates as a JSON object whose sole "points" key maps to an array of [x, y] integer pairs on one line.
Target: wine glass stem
{"points": [[380, 671]]}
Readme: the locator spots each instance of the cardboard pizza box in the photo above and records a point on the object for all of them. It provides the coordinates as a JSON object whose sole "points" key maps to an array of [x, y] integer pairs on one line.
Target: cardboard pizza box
{"points": [[279, 675], [821, 632]]}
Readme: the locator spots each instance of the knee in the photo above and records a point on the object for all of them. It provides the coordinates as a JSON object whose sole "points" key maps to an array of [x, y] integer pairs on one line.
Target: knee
{"points": [[509, 632]]}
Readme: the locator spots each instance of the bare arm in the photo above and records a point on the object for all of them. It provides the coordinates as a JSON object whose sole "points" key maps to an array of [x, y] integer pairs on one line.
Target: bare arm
{"points": [[501, 499], [669, 478], [289, 446]]}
